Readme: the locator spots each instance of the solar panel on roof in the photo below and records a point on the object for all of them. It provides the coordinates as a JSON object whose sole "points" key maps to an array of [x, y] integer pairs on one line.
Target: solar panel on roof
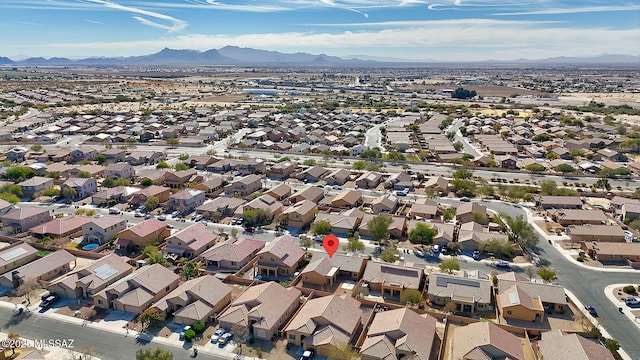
{"points": [[513, 298], [13, 254], [105, 271], [442, 281]]}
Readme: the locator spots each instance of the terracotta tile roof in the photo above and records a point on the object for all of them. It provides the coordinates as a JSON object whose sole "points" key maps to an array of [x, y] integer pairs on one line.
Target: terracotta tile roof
{"points": [[61, 225], [284, 248], [343, 313], [233, 250], [195, 236], [404, 330], [147, 227], [484, 340], [19, 213], [555, 345]]}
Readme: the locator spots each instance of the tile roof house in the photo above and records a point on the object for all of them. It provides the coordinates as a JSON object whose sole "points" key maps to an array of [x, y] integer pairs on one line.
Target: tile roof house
{"points": [[612, 252], [320, 272], [137, 291], [312, 193], [42, 269], [147, 232], [580, 233], [369, 180], [263, 308], [483, 340], [559, 202], [337, 177], [160, 192], [231, 255], [15, 255], [348, 198], [312, 174], [301, 214], [220, 207], [83, 187], [92, 279], [396, 229], [465, 211], [400, 333], [119, 194], [35, 185], [281, 256], [198, 299], [468, 294], [526, 300], [280, 192], [212, 187], [265, 202], [23, 218], [325, 322], [244, 186], [341, 224], [119, 171], [61, 227], [392, 279], [567, 217], [423, 211], [385, 204], [177, 179], [191, 242], [186, 200], [103, 229], [557, 345]]}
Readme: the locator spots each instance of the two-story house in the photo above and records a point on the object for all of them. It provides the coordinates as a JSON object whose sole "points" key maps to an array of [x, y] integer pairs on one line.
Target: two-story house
{"points": [[35, 185], [102, 229], [186, 200], [120, 170], [282, 256], [244, 186], [82, 187], [190, 242]]}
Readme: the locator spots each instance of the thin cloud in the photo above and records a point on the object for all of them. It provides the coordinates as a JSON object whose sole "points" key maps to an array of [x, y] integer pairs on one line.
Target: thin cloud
{"points": [[175, 24], [447, 42], [413, 23], [572, 10], [93, 21]]}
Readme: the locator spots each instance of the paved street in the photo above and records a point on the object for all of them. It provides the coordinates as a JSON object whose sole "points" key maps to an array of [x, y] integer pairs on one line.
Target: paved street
{"points": [[107, 345]]}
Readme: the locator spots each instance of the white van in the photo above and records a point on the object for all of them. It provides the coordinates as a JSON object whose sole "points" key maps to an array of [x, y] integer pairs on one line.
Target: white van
{"points": [[114, 211], [632, 301]]}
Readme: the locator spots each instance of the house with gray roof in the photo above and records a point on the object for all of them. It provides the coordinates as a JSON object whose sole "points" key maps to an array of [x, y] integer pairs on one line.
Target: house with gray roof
{"points": [[468, 294], [231, 255], [16, 255], [281, 256], [42, 269], [392, 279]]}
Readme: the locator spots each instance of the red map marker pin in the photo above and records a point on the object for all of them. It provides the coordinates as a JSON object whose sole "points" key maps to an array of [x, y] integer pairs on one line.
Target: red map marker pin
{"points": [[330, 244]]}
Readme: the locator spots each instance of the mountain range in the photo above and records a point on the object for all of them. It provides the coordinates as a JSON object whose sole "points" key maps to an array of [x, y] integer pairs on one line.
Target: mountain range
{"points": [[233, 55]]}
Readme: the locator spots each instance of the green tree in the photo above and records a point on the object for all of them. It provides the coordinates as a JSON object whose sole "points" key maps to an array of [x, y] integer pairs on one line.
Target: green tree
{"points": [[534, 168], [12, 189], [612, 344], [371, 153], [321, 228], [379, 227], [19, 173], [410, 297], [191, 269], [36, 148], [306, 242], [152, 203], [69, 193], [250, 216], [564, 168], [389, 255], [51, 192], [10, 198], [480, 217], [181, 167], [354, 245], [422, 234], [108, 182], [101, 159], [149, 316], [547, 274], [262, 216], [157, 258], [462, 173], [309, 162], [449, 214], [603, 184], [173, 142], [464, 188], [520, 231], [547, 187], [457, 146], [449, 265], [462, 93], [83, 174], [163, 165], [146, 182], [499, 247], [551, 156], [183, 156]]}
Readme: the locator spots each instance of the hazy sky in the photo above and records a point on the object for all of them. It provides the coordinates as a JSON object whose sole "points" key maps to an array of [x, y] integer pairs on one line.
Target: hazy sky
{"points": [[409, 29]]}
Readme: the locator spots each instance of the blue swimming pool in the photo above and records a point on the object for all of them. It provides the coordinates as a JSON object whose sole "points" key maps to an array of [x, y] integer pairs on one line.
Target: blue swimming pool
{"points": [[90, 247]]}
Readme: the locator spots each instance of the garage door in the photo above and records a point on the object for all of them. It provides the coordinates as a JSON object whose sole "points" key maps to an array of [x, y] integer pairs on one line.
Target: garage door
{"points": [[261, 333]]}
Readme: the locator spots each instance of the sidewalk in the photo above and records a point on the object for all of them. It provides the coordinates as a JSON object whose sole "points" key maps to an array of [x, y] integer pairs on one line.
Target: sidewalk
{"points": [[119, 327], [593, 320]]}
